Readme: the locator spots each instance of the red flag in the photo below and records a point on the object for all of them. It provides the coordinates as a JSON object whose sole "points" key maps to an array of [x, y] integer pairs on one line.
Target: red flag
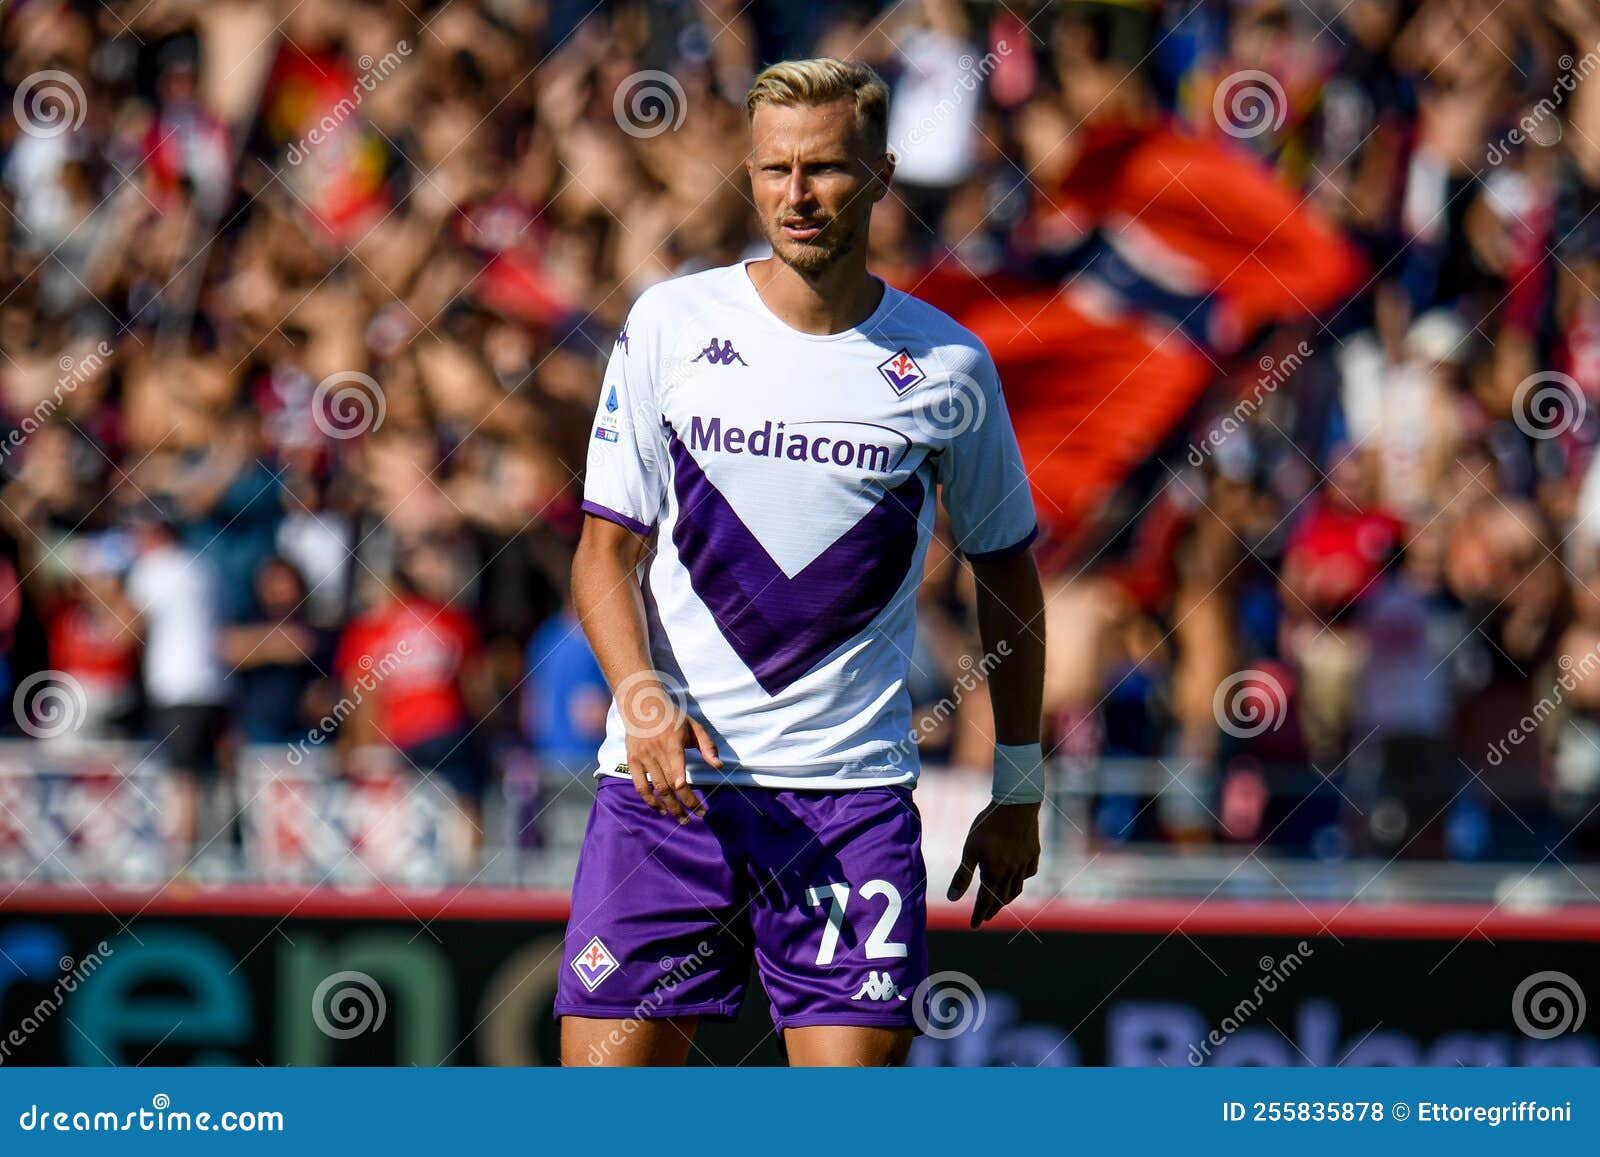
{"points": [[1158, 256]]}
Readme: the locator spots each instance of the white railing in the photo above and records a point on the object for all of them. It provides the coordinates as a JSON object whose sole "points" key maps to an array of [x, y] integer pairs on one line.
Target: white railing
{"points": [[104, 813]]}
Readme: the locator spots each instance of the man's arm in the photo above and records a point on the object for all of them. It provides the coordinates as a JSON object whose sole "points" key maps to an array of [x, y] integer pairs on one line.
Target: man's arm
{"points": [[1003, 845], [610, 605]]}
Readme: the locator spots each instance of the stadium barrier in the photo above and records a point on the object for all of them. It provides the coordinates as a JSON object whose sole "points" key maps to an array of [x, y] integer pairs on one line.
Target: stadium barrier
{"points": [[352, 923], [294, 976]]}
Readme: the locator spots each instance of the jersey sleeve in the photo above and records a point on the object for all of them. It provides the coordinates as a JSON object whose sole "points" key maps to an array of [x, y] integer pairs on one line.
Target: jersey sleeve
{"points": [[984, 483], [625, 481]]}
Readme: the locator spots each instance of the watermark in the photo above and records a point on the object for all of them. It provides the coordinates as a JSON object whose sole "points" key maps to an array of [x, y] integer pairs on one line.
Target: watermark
{"points": [[675, 972], [50, 103], [973, 74], [620, 412], [1540, 124], [1548, 1004], [1273, 973], [651, 703], [348, 404], [649, 103], [1492, 1115], [49, 704], [1572, 673], [973, 672], [373, 672], [948, 1004], [1248, 103], [1274, 372], [1548, 404], [373, 72], [76, 972], [160, 1117], [1250, 702], [347, 1004], [74, 372], [949, 406]]}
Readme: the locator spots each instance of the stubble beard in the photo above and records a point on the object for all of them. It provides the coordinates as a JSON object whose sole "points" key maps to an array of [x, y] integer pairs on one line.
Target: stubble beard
{"points": [[814, 256]]}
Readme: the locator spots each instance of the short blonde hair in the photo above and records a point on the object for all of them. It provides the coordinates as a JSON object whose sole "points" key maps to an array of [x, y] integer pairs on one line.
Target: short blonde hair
{"points": [[824, 79]]}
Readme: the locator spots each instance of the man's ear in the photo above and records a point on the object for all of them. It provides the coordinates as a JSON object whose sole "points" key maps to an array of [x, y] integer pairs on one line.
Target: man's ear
{"points": [[882, 177]]}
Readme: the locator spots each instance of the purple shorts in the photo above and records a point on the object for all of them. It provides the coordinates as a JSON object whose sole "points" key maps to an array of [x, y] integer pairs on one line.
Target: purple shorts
{"points": [[825, 890]]}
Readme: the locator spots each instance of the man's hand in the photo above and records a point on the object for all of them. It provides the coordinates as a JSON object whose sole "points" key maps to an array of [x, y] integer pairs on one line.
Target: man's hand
{"points": [[1003, 847], [656, 763]]}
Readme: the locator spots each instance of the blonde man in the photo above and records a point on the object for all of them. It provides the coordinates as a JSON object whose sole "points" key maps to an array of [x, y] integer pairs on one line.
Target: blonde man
{"points": [[761, 494]]}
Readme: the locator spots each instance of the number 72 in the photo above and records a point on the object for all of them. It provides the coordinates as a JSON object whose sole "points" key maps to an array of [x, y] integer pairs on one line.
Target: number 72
{"points": [[878, 946]]}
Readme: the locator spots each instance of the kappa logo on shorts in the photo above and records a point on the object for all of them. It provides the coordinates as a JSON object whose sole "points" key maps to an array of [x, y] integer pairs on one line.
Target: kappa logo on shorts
{"points": [[879, 986], [595, 963]]}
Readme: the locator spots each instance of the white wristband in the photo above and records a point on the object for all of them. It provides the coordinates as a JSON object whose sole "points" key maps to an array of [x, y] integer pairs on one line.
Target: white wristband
{"points": [[1018, 773]]}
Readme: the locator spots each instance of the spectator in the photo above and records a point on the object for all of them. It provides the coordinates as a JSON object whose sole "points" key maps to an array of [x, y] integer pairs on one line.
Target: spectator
{"points": [[172, 596], [96, 647], [407, 666], [277, 660], [565, 697]]}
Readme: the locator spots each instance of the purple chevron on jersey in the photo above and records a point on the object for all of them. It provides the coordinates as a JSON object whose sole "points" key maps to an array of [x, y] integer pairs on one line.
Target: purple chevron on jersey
{"points": [[782, 627]]}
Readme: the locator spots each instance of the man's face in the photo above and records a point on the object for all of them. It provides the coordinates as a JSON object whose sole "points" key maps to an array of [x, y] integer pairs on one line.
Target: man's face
{"points": [[814, 183]]}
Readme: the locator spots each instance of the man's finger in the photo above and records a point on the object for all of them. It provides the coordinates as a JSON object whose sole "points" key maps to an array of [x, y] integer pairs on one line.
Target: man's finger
{"points": [[662, 779], [1001, 891], [1009, 894], [987, 903], [677, 783], [641, 784], [707, 745], [687, 797], [962, 880]]}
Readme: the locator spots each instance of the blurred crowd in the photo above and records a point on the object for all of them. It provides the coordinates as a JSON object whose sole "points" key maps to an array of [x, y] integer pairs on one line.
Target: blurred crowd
{"points": [[304, 309]]}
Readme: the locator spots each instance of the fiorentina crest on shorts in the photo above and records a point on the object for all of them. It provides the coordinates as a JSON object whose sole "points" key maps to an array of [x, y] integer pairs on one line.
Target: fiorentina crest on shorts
{"points": [[901, 371], [594, 964]]}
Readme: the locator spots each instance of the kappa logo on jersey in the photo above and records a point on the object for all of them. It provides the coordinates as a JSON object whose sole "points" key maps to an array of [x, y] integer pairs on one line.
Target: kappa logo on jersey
{"points": [[594, 964], [725, 355], [901, 372], [622, 339], [879, 986]]}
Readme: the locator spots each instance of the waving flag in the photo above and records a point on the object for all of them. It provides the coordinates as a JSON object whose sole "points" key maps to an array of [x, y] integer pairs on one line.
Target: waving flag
{"points": [[1156, 259]]}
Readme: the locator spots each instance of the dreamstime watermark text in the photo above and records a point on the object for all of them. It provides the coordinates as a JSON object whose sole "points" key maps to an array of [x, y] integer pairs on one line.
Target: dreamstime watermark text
{"points": [[1573, 672], [373, 672], [75, 973], [1541, 124], [1273, 973], [1274, 372], [373, 73], [674, 973]]}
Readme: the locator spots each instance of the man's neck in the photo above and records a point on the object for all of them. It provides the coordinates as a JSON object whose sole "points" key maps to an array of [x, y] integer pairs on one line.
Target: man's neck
{"points": [[841, 297]]}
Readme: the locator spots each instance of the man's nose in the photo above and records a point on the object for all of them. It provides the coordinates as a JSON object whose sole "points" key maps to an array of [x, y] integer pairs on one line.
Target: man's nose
{"points": [[799, 190]]}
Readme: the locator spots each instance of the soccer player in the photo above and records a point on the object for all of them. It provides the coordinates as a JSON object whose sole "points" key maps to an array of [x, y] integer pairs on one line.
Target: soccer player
{"points": [[781, 427]]}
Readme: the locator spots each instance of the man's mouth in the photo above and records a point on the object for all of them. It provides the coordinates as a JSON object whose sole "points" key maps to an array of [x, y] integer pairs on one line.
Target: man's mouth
{"points": [[801, 228]]}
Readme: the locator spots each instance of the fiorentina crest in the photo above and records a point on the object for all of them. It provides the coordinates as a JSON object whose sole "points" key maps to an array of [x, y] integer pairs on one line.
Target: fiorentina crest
{"points": [[594, 964], [901, 372]]}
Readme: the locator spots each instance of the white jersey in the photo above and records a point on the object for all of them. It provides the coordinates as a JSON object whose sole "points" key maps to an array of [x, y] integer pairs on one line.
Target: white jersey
{"points": [[790, 479]]}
